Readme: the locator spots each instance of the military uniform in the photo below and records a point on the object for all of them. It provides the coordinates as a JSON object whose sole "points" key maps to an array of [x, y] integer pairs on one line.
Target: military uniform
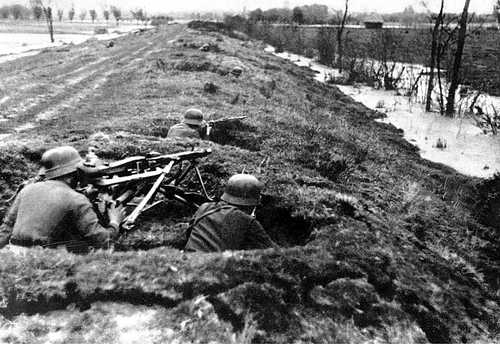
{"points": [[220, 226], [182, 130], [50, 214]]}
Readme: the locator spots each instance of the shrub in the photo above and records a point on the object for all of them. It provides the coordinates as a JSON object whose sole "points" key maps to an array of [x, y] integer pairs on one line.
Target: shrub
{"points": [[325, 44]]}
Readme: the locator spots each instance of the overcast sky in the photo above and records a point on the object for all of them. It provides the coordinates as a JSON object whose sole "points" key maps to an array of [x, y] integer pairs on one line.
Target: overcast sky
{"points": [[480, 6]]}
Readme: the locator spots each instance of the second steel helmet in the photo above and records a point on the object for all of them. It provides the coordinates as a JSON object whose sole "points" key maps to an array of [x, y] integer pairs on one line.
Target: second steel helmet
{"points": [[193, 117], [60, 161], [243, 189]]}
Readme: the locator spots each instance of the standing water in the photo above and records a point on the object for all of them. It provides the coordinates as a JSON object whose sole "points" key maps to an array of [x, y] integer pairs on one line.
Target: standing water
{"points": [[15, 45], [456, 142]]}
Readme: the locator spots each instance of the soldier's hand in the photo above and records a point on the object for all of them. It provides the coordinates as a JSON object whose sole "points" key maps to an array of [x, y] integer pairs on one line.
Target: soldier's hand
{"points": [[116, 213], [91, 192]]}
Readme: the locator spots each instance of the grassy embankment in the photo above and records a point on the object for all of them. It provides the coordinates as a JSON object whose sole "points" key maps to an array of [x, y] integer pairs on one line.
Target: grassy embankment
{"points": [[377, 243]]}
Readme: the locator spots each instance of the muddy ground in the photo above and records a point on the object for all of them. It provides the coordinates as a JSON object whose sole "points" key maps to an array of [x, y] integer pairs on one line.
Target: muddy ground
{"points": [[378, 244]]}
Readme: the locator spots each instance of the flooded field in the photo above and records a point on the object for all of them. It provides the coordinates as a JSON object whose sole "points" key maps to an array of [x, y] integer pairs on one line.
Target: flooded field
{"points": [[456, 142]]}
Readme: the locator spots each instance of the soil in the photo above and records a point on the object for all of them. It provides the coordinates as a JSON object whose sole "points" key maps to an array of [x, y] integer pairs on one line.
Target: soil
{"points": [[377, 244]]}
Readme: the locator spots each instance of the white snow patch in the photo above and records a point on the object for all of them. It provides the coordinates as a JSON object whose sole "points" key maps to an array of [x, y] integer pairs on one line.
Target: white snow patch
{"points": [[24, 127], [133, 329]]}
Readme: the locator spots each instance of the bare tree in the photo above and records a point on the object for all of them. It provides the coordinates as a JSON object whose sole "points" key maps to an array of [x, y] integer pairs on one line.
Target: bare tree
{"points": [[438, 22], [446, 39], [4, 12], [47, 11], [93, 14], [340, 33], [105, 14], [71, 13], [83, 15], [455, 72], [117, 13], [17, 11], [37, 12], [60, 14], [138, 15], [496, 13]]}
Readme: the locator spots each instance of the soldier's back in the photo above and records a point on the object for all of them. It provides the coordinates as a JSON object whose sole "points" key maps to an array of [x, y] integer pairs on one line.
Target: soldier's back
{"points": [[182, 130], [44, 208], [218, 227]]}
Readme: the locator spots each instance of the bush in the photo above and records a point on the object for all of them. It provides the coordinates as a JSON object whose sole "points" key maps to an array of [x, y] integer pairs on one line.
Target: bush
{"points": [[100, 30], [325, 43], [488, 202]]}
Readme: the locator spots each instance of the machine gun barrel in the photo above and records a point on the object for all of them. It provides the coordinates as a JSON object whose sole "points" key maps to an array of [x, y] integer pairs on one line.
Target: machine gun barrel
{"points": [[190, 155]]}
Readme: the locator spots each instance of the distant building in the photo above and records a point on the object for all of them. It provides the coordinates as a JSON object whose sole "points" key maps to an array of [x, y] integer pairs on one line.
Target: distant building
{"points": [[374, 21]]}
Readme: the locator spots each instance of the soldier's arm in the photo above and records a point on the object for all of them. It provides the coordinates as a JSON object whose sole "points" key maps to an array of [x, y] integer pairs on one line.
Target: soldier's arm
{"points": [[88, 224], [204, 131], [258, 237], [8, 224]]}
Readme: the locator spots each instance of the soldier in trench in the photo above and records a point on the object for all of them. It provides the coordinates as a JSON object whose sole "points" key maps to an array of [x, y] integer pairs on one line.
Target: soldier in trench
{"points": [[229, 224], [52, 213], [192, 126]]}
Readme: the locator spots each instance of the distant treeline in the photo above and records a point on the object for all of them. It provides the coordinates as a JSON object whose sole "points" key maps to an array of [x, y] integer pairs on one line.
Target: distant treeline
{"points": [[35, 12], [322, 14], [15, 12]]}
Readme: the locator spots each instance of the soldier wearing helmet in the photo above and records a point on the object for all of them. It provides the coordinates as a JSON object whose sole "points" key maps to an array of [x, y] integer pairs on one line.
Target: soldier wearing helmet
{"points": [[228, 224], [193, 126], [51, 213]]}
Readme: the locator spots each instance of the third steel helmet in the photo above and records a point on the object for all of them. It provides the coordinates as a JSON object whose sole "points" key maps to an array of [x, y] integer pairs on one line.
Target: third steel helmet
{"points": [[243, 189], [193, 117]]}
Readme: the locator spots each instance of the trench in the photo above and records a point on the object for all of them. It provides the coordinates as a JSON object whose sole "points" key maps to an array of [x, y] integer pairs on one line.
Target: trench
{"points": [[167, 226], [237, 133]]}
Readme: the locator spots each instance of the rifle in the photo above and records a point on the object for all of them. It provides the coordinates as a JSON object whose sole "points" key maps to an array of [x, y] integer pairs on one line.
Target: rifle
{"points": [[143, 177], [215, 122]]}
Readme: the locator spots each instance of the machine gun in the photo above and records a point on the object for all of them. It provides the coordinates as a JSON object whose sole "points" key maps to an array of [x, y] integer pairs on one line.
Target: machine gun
{"points": [[215, 122], [141, 178]]}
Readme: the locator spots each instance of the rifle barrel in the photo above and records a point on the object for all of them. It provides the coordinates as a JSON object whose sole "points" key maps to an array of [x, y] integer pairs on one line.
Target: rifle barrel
{"points": [[226, 119]]}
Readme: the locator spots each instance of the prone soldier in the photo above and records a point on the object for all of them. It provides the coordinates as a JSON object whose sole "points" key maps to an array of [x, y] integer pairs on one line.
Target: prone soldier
{"points": [[193, 126], [51, 213]]}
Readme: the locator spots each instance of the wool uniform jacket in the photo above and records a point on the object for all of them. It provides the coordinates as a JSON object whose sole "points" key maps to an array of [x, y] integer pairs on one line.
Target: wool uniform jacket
{"points": [[182, 130], [220, 226], [51, 213]]}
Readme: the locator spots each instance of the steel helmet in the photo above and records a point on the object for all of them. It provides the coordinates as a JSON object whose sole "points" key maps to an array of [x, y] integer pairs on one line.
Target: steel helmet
{"points": [[243, 189], [60, 161], [193, 117]]}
